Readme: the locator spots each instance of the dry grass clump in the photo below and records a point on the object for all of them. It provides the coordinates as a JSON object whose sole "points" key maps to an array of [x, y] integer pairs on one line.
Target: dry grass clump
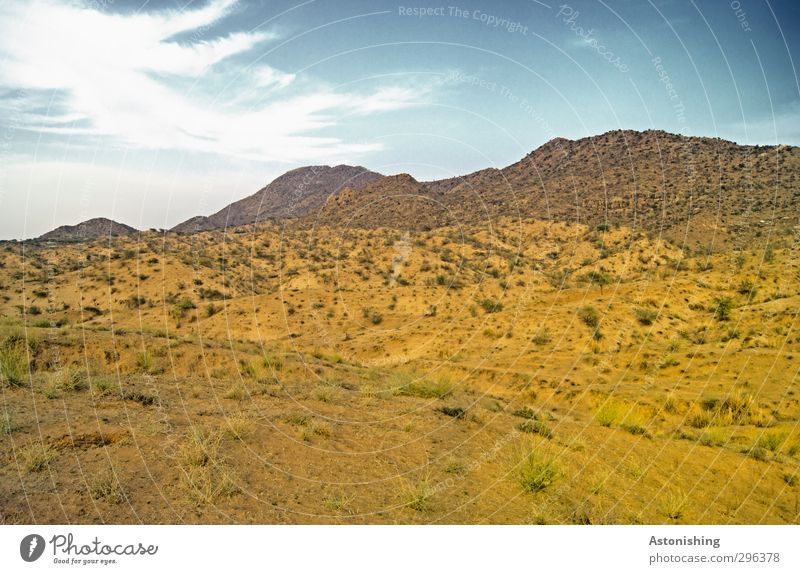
{"points": [[339, 503], [201, 448], [610, 412], [418, 495], [13, 364], [535, 472], [533, 426], [106, 486], [675, 504], [36, 456], [411, 385], [312, 428], [736, 409], [66, 380], [205, 475], [237, 427]]}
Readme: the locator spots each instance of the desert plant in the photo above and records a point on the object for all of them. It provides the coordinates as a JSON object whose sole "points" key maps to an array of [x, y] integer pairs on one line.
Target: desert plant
{"points": [[424, 388], [106, 486], [722, 307], [144, 362], [6, 426], [588, 315], [646, 316], [490, 305], [535, 427], [200, 448], [675, 504], [180, 308], [772, 441], [338, 503], [68, 379], [418, 495], [36, 456], [103, 386], [455, 412], [536, 473], [272, 362], [609, 413], [237, 427], [207, 484], [747, 288], [542, 337], [597, 278], [13, 364]]}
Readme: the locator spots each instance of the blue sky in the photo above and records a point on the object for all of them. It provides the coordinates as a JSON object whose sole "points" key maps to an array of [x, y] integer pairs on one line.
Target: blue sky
{"points": [[151, 112]]}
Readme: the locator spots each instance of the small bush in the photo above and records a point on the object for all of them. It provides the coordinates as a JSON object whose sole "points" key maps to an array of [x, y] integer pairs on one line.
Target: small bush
{"points": [[201, 448], [772, 441], [272, 362], [425, 388], [535, 473], [526, 413], [237, 427], [455, 412], [646, 316], [180, 308], [68, 380], [6, 426], [106, 486], [36, 456], [542, 337], [722, 307], [490, 305], [103, 386], [13, 364], [675, 504], [588, 315], [747, 288], [609, 413], [535, 427], [418, 495], [144, 362]]}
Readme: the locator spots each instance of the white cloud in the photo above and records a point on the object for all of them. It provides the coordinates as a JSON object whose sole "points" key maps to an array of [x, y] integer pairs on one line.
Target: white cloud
{"points": [[126, 77]]}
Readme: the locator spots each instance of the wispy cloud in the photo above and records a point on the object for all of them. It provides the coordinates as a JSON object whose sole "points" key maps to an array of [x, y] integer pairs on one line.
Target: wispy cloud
{"points": [[127, 77]]}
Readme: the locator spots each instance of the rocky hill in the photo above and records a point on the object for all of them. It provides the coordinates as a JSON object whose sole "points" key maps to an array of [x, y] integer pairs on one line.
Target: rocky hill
{"points": [[294, 194], [698, 191], [89, 229]]}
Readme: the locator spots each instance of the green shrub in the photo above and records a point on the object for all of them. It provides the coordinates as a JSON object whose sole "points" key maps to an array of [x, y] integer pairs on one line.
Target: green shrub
{"points": [[588, 315], [490, 305], [180, 308], [722, 308], [646, 316]]}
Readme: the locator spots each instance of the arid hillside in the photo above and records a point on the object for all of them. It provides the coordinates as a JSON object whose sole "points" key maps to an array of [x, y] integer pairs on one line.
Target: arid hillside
{"points": [[704, 193], [527, 371], [294, 194]]}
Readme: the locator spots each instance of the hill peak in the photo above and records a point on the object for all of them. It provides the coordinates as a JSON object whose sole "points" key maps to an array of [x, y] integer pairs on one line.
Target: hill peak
{"points": [[90, 229]]}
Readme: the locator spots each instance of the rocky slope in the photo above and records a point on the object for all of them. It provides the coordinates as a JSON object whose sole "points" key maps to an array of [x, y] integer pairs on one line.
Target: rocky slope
{"points": [[296, 193], [89, 229]]}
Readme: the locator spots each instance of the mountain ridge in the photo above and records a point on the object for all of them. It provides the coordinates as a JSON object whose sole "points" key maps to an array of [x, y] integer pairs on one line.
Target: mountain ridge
{"points": [[680, 186]]}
